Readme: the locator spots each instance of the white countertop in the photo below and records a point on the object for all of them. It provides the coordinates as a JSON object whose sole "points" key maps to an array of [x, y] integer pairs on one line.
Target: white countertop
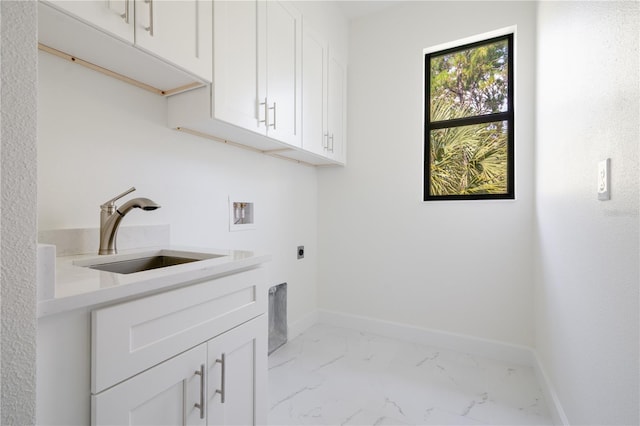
{"points": [[81, 287]]}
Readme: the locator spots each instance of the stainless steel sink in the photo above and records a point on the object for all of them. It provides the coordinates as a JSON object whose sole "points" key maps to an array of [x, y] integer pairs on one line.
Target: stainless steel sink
{"points": [[144, 264], [129, 264]]}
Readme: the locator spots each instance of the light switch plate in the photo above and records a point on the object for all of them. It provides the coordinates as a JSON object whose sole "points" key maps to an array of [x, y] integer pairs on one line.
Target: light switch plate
{"points": [[604, 180]]}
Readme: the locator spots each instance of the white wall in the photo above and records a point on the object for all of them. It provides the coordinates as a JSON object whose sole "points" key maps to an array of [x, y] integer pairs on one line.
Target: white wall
{"points": [[588, 108], [18, 75], [99, 136], [461, 267]]}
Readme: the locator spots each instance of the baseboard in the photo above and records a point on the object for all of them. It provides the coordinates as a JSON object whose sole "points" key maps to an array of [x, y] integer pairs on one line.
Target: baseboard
{"points": [[516, 354], [296, 328], [551, 397]]}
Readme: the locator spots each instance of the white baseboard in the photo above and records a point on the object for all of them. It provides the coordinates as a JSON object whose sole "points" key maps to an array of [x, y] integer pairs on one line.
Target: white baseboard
{"points": [[516, 354], [551, 397], [298, 327]]}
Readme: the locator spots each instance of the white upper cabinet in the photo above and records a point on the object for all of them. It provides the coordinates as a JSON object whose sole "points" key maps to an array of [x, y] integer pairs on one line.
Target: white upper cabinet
{"points": [[114, 17], [336, 127], [235, 82], [178, 31], [275, 90], [314, 91], [165, 44], [323, 98], [265, 74], [257, 67], [283, 71]]}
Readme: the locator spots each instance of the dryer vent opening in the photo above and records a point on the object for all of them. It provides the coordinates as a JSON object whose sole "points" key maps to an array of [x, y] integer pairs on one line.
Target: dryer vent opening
{"points": [[277, 316]]}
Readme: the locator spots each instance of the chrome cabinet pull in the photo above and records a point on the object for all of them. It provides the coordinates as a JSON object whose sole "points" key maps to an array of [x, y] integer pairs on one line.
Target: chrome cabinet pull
{"points": [[221, 360], [325, 137], [125, 15], [202, 390], [150, 27], [266, 113], [331, 139], [274, 116]]}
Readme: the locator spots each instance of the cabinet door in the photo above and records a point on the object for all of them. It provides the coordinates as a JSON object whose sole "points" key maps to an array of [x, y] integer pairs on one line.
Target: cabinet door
{"points": [[163, 395], [337, 110], [314, 92], [235, 77], [177, 31], [113, 16], [284, 72], [237, 375]]}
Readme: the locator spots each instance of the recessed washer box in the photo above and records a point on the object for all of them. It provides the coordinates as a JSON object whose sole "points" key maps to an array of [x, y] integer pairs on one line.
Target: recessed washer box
{"points": [[241, 213]]}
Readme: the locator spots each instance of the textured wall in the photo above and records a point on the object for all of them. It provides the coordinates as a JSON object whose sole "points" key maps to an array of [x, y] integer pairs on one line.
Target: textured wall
{"points": [[18, 74], [461, 267], [588, 108]]}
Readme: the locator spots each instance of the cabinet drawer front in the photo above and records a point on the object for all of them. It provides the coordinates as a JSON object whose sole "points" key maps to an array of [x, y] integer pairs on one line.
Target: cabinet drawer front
{"points": [[133, 336]]}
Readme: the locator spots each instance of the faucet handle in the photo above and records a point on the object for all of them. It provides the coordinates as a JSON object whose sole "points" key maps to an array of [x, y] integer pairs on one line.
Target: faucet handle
{"points": [[112, 201]]}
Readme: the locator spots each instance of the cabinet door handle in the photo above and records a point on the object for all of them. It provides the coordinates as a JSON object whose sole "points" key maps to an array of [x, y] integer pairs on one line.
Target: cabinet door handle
{"points": [[125, 15], [274, 116], [266, 113], [222, 362], [325, 137], [331, 139], [150, 27], [202, 390]]}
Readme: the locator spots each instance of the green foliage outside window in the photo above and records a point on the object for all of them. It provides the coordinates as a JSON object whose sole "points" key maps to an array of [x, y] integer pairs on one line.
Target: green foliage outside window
{"points": [[469, 123]]}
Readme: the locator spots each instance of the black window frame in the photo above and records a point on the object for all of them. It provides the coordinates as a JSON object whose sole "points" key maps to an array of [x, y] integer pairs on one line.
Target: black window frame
{"points": [[508, 116]]}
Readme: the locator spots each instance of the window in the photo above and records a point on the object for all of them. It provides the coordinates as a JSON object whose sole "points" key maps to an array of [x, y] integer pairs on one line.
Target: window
{"points": [[469, 125]]}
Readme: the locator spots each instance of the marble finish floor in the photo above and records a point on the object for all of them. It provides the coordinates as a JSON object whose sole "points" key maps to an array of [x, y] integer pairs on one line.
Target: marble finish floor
{"points": [[337, 376]]}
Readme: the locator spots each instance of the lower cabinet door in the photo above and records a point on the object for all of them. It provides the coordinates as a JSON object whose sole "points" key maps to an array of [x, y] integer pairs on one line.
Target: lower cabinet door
{"points": [[237, 375], [170, 393]]}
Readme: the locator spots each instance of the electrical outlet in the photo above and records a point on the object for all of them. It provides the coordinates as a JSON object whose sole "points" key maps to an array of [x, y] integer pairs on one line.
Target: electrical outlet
{"points": [[300, 252]]}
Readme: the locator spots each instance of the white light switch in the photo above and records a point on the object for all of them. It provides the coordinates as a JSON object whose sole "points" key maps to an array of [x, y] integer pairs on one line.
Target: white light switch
{"points": [[604, 180]]}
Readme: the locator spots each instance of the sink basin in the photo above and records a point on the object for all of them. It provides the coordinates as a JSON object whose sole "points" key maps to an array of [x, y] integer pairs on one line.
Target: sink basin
{"points": [[144, 264], [140, 262]]}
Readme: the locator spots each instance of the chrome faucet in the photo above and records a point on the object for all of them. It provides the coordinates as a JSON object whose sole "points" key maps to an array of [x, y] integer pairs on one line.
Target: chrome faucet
{"points": [[111, 215]]}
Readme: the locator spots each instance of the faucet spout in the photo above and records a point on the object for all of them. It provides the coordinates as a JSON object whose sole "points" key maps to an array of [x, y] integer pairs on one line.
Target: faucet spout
{"points": [[111, 216], [140, 203]]}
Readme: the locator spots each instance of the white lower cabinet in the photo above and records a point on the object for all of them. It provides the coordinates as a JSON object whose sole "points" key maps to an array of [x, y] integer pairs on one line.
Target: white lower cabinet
{"points": [[237, 375], [192, 356], [220, 382], [165, 358], [163, 395]]}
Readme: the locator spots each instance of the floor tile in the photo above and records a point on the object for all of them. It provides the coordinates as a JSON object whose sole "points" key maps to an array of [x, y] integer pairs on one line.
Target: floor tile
{"points": [[336, 376]]}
